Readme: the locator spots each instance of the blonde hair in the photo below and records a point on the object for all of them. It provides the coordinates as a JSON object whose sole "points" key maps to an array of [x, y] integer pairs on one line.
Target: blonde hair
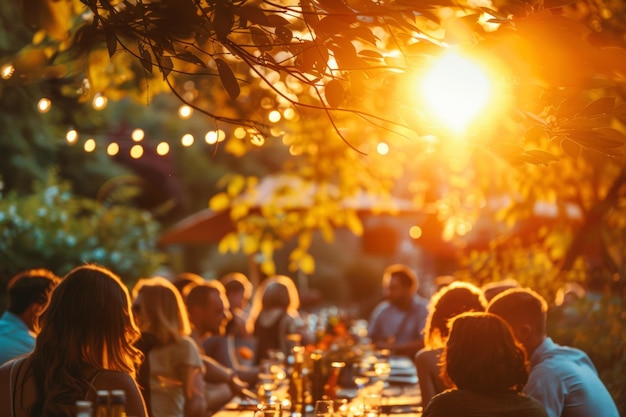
{"points": [[161, 309], [277, 291]]}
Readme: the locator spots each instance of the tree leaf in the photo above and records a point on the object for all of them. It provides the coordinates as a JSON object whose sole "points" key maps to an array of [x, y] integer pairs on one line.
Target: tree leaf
{"points": [[190, 57], [546, 158], [260, 39], [277, 21], [311, 17], [363, 33], [285, 35], [571, 106], [571, 148], [228, 78], [595, 140], [253, 14], [331, 25], [602, 105], [146, 60], [555, 4], [334, 93], [368, 53], [111, 43], [337, 6], [166, 65]]}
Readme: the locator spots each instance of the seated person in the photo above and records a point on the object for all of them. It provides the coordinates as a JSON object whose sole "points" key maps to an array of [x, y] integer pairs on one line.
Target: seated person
{"points": [[239, 291], [487, 369], [28, 293], [397, 323], [452, 300]]}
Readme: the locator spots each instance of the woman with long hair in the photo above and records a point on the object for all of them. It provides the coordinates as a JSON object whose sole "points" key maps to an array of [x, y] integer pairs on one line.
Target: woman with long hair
{"points": [[487, 369], [85, 344], [456, 298], [175, 380]]}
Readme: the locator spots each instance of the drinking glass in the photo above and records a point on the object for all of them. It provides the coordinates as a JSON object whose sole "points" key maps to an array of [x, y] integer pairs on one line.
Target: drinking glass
{"points": [[324, 408], [268, 410]]}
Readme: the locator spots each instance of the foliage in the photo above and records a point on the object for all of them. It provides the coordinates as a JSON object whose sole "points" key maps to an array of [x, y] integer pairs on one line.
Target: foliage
{"points": [[55, 229]]}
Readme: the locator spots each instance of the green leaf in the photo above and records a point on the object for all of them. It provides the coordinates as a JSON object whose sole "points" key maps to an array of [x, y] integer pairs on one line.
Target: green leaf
{"points": [[229, 81], [334, 93]]}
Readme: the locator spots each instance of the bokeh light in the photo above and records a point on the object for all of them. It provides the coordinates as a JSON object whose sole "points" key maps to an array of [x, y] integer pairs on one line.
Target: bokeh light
{"points": [[137, 135], [43, 105], [113, 149], [136, 151], [163, 148], [90, 145]]}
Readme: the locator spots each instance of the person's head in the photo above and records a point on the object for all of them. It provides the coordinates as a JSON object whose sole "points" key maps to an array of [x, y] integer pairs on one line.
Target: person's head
{"points": [[185, 280], [87, 324], [525, 311], [481, 355], [494, 288], [569, 294], [29, 292], [208, 308], [160, 309], [456, 298], [399, 283], [275, 292], [238, 289]]}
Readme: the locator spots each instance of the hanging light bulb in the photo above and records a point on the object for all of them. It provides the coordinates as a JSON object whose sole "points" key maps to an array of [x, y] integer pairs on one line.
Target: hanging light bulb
{"points": [[137, 135], [44, 105], [136, 151], [71, 136]]}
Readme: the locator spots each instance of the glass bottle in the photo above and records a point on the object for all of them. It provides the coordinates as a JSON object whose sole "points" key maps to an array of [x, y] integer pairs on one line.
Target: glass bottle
{"points": [[102, 403], [83, 408], [297, 383], [117, 404]]}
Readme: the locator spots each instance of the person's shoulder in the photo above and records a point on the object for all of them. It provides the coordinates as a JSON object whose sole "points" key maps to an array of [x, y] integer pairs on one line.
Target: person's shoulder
{"points": [[428, 355], [111, 380]]}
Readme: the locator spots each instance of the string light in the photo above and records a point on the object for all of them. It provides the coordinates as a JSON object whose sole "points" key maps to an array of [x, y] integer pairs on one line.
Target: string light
{"points": [[137, 135], [99, 102], [382, 148], [211, 137], [163, 148], [44, 105], [71, 136], [240, 133], [185, 112], [187, 140], [113, 149], [221, 135], [90, 145], [415, 232], [289, 114], [257, 140], [6, 71], [136, 151], [274, 116]]}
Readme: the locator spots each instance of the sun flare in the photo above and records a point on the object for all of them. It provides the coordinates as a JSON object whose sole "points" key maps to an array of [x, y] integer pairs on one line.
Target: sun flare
{"points": [[456, 90]]}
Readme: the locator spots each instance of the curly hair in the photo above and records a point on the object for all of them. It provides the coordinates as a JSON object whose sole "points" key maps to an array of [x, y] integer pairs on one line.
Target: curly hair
{"points": [[456, 298], [88, 325], [481, 355]]}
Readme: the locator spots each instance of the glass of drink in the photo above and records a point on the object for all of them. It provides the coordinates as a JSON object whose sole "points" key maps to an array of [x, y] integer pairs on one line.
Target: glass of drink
{"points": [[268, 410], [324, 408]]}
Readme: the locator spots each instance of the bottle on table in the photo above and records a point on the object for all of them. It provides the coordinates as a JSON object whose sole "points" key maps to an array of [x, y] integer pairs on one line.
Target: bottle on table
{"points": [[297, 383], [83, 408], [117, 404], [102, 403]]}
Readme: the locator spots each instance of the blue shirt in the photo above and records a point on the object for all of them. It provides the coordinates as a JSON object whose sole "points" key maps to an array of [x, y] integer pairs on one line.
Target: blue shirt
{"points": [[15, 338], [404, 326], [566, 382]]}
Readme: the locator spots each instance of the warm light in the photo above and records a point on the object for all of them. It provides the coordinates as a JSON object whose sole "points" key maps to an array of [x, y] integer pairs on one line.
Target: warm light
{"points": [[136, 151], [113, 149], [257, 140], [44, 105], [221, 135], [415, 232], [71, 136], [185, 111], [382, 148], [99, 102], [289, 114], [456, 89], [163, 148], [187, 140], [274, 116], [211, 137], [137, 135], [240, 133], [6, 71], [90, 145]]}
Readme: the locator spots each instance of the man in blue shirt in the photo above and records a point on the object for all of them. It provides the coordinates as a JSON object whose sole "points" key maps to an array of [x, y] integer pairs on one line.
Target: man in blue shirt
{"points": [[563, 379], [29, 292], [397, 323]]}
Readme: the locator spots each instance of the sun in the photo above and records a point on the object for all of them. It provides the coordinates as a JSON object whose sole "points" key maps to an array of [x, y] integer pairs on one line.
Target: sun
{"points": [[456, 89]]}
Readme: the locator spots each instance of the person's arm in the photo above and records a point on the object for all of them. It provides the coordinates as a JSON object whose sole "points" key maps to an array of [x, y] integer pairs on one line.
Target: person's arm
{"points": [[195, 402], [546, 387], [424, 365]]}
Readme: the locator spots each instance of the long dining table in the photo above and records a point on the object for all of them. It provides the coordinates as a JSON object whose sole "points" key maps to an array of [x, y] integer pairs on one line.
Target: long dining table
{"points": [[399, 396]]}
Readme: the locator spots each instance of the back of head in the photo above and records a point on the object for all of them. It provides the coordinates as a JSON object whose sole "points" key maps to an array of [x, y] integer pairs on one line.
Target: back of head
{"points": [[30, 287], [279, 291], [456, 298], [88, 323], [161, 309], [481, 355], [494, 288], [184, 279], [404, 274], [198, 295], [521, 306], [236, 282]]}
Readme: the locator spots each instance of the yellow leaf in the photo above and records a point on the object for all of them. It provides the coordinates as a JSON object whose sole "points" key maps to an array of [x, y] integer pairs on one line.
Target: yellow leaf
{"points": [[219, 202], [236, 147], [250, 245], [354, 223], [235, 185], [229, 243], [238, 211], [304, 240], [307, 264], [268, 267]]}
